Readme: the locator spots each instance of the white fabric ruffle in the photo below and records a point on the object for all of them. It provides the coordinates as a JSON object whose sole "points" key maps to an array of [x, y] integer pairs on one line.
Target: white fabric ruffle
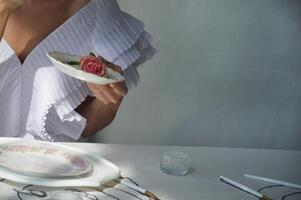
{"points": [[122, 39], [48, 94], [62, 130], [111, 33]]}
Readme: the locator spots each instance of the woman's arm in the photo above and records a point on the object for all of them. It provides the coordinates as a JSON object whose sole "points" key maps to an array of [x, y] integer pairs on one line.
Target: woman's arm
{"points": [[6, 7], [101, 110]]}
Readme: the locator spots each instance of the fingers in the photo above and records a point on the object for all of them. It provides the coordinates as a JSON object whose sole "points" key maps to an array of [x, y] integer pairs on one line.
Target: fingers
{"points": [[115, 68], [98, 93], [109, 94], [120, 88]]}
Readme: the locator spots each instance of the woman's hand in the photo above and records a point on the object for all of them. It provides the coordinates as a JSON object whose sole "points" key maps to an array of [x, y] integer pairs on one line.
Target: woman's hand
{"points": [[110, 93], [101, 110]]}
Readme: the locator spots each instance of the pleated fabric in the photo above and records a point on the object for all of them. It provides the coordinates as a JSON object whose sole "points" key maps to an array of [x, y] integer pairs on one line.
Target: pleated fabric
{"points": [[48, 98], [10, 85], [122, 39]]}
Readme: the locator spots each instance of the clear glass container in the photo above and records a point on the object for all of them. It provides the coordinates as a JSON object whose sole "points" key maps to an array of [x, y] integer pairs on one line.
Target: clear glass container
{"points": [[175, 163]]}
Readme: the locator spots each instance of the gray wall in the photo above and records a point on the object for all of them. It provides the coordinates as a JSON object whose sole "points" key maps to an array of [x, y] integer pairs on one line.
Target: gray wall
{"points": [[227, 74]]}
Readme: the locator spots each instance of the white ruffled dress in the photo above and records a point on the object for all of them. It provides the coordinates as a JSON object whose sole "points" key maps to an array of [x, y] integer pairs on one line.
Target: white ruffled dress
{"points": [[38, 101]]}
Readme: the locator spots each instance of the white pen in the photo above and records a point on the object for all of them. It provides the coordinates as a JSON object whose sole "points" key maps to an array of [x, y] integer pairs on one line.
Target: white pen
{"points": [[292, 185], [244, 188]]}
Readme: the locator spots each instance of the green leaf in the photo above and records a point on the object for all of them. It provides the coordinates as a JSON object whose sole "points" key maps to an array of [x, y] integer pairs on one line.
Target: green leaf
{"points": [[92, 54], [73, 63]]}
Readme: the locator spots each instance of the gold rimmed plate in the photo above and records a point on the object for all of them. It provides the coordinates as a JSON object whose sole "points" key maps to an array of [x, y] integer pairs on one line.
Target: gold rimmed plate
{"points": [[62, 166], [37, 160]]}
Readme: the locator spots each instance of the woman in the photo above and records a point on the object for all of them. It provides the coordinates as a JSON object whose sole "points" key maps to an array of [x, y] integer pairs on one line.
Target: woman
{"points": [[36, 100]]}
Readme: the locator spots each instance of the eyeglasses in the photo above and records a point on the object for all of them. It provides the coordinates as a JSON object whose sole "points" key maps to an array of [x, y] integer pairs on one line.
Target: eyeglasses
{"points": [[281, 192]]}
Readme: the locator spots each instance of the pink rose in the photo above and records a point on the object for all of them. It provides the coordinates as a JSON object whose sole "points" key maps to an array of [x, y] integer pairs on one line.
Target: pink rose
{"points": [[94, 65]]}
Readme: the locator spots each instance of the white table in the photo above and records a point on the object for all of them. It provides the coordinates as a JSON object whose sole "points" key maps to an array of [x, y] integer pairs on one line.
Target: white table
{"points": [[141, 163]]}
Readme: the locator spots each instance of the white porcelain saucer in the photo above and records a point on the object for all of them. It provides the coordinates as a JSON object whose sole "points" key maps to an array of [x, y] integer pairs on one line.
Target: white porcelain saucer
{"points": [[60, 60]]}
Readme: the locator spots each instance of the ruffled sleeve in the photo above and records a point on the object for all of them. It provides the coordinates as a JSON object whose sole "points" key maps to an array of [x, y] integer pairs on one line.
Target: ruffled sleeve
{"points": [[52, 115], [105, 30], [122, 39], [64, 130]]}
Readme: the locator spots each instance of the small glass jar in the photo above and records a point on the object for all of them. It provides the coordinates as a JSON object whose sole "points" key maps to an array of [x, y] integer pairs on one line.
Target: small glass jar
{"points": [[175, 163]]}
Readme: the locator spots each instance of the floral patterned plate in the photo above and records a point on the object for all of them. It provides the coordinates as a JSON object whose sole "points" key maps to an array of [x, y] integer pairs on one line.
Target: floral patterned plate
{"points": [[41, 160], [71, 65]]}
